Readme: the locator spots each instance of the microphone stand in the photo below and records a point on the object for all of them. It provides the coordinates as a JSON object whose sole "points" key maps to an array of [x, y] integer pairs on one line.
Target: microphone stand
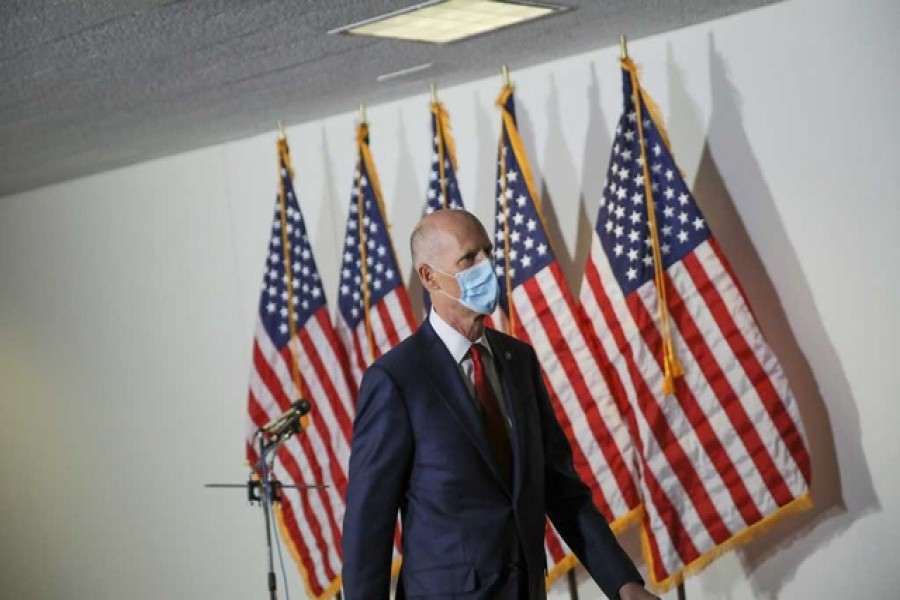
{"points": [[267, 495], [268, 486]]}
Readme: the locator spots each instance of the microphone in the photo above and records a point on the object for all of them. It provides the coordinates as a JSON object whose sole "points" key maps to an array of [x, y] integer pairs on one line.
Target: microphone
{"points": [[289, 420]]}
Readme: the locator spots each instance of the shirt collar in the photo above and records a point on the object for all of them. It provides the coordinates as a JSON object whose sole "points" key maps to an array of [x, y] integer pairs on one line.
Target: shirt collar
{"points": [[456, 343]]}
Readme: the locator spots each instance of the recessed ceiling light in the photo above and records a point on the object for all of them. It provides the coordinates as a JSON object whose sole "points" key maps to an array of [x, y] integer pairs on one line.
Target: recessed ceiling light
{"points": [[443, 21]]}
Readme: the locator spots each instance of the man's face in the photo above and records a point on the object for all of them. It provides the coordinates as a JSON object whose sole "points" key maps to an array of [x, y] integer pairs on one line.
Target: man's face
{"points": [[464, 243]]}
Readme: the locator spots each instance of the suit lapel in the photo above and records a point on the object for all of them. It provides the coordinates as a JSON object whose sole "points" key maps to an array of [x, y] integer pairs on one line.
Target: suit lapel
{"points": [[510, 378], [447, 385]]}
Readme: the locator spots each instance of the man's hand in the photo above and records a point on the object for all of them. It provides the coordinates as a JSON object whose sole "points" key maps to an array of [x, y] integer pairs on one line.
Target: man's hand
{"points": [[634, 591]]}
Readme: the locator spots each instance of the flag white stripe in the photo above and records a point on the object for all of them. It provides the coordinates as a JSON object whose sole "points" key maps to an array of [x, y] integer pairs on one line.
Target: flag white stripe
{"points": [[343, 396], [668, 555], [589, 368], [272, 409], [379, 332], [320, 448], [715, 415], [354, 348], [709, 403], [753, 405], [278, 365], [321, 405], [561, 385], [654, 457], [262, 393], [316, 497]]}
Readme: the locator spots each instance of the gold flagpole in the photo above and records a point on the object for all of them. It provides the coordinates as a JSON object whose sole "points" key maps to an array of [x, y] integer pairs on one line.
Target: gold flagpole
{"points": [[671, 366], [510, 311], [361, 132], [284, 161], [439, 129]]}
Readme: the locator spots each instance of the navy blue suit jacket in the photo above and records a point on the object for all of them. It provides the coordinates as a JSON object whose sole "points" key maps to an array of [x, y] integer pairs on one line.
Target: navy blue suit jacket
{"points": [[419, 446]]}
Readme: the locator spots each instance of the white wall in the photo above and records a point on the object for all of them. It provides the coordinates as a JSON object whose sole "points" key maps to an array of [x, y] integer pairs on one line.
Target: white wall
{"points": [[127, 300]]}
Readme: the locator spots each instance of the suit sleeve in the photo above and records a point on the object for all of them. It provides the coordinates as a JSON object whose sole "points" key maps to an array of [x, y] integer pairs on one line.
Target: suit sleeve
{"points": [[571, 508], [380, 456]]}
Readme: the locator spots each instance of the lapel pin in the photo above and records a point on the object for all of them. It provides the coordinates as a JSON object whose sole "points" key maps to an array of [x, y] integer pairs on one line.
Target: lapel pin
{"points": [[508, 355]]}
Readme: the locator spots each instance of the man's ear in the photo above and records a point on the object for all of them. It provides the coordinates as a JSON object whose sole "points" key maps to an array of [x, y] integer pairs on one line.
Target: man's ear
{"points": [[426, 276]]}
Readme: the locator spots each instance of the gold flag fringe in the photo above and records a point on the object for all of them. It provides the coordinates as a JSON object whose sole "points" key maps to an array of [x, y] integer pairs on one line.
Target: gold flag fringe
{"points": [[795, 506]]}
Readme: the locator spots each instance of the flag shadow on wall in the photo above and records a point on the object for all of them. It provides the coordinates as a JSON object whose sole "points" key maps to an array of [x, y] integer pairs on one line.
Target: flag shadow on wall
{"points": [[839, 498]]}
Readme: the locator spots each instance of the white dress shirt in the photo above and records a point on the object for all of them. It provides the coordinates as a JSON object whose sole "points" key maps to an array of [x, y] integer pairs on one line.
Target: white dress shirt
{"points": [[459, 345]]}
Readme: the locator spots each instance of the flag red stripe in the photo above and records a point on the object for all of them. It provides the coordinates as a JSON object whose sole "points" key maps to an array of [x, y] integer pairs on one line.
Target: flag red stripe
{"points": [[293, 527], [657, 495], [678, 534], [774, 404], [583, 396], [548, 322], [270, 379], [339, 352], [557, 553], [302, 549], [620, 396], [249, 452], [670, 518], [290, 465], [350, 338], [387, 322], [769, 397], [406, 307], [589, 406], [681, 465], [717, 250], [729, 402], [315, 415], [333, 370], [554, 545], [257, 415], [319, 427], [288, 462]]}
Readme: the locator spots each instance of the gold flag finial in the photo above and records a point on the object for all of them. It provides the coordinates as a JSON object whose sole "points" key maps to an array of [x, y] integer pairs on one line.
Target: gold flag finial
{"points": [[623, 47], [362, 114], [505, 71], [281, 135], [434, 93]]}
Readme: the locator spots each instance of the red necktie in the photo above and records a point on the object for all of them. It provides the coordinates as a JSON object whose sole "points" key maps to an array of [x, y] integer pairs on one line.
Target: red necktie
{"points": [[490, 412]]}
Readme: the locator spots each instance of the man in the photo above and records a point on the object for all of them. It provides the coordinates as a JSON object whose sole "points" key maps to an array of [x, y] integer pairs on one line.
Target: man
{"points": [[454, 428]]}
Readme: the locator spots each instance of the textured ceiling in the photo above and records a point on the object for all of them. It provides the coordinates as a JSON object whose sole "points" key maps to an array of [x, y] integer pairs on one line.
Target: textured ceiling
{"points": [[97, 84]]}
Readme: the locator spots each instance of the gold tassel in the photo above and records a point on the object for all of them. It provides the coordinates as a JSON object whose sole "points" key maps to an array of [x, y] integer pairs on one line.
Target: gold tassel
{"points": [[671, 366]]}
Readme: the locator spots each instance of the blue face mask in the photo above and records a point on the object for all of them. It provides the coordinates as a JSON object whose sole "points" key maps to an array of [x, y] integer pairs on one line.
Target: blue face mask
{"points": [[479, 287]]}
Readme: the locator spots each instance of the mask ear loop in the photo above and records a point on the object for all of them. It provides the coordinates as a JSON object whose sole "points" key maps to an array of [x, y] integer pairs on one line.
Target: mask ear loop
{"points": [[441, 290]]}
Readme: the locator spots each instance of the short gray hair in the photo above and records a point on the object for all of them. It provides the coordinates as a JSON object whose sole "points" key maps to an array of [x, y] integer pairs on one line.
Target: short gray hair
{"points": [[420, 242]]}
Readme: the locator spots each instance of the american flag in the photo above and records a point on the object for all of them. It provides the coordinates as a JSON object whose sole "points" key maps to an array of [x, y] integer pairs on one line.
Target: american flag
{"points": [[543, 312], [443, 189], [724, 455], [297, 354], [374, 316]]}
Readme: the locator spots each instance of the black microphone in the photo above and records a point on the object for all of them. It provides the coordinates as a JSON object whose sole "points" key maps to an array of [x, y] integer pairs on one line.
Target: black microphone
{"points": [[279, 424]]}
